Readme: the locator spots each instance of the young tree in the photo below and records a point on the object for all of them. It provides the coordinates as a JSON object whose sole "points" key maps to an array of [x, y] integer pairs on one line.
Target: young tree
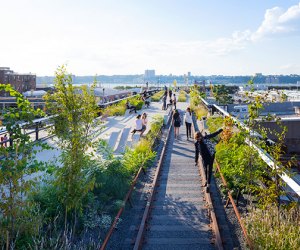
{"points": [[221, 93], [17, 165], [75, 110]]}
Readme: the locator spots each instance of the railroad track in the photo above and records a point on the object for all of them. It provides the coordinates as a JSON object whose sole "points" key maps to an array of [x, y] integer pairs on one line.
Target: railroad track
{"points": [[173, 211], [177, 215]]}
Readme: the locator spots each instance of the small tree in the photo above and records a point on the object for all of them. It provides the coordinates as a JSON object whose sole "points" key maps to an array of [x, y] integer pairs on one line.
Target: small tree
{"points": [[75, 110], [17, 165], [221, 93]]}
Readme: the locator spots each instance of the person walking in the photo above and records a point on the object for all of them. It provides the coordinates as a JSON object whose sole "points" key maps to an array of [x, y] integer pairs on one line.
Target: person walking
{"points": [[164, 100], [174, 101], [188, 123], [170, 94], [176, 123], [206, 148]]}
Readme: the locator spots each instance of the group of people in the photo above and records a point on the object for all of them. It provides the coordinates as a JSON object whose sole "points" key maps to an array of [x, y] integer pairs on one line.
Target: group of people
{"points": [[172, 100], [203, 144]]}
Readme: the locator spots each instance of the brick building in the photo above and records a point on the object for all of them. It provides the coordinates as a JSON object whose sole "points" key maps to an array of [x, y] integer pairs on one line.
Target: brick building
{"points": [[20, 82]]}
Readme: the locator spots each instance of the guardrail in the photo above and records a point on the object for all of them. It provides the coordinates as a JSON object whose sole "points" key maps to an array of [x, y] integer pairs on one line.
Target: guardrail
{"points": [[263, 155]]}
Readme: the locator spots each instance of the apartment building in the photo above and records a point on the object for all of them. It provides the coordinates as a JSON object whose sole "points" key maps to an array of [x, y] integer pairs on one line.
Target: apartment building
{"points": [[20, 82]]}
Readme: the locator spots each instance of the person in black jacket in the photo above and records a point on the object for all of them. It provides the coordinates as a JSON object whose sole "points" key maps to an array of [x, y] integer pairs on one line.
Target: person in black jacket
{"points": [[206, 148]]}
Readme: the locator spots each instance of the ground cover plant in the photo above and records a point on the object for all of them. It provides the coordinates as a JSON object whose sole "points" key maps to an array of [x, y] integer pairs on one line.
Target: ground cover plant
{"points": [[119, 108], [182, 96], [196, 105], [157, 96]]}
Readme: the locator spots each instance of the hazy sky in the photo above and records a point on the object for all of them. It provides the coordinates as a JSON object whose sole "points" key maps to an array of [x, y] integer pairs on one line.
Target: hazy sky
{"points": [[230, 37]]}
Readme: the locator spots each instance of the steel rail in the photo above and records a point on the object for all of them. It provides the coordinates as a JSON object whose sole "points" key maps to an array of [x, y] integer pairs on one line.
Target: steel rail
{"points": [[237, 213], [115, 222], [125, 200], [141, 231], [215, 226]]}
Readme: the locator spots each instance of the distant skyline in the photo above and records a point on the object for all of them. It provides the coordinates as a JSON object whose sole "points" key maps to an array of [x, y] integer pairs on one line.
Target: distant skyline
{"points": [[117, 37]]}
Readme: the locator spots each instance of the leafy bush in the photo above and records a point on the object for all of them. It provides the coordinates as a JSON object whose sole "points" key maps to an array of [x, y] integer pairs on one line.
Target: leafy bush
{"points": [[270, 229], [214, 123], [241, 173], [182, 96], [137, 102], [115, 109], [157, 96]]}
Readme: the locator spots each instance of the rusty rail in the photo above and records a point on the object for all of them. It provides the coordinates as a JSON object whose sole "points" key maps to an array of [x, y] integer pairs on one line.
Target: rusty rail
{"points": [[213, 217], [237, 213], [127, 197], [115, 222], [139, 238]]}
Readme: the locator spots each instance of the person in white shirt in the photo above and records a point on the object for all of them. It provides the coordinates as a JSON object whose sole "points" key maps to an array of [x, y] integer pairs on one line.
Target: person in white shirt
{"points": [[138, 125], [188, 123]]}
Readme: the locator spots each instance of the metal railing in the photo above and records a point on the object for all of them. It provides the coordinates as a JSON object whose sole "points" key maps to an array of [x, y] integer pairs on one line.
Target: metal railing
{"points": [[263, 155]]}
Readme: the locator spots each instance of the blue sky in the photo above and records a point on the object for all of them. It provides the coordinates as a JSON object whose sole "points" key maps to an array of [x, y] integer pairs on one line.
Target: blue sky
{"points": [[232, 37]]}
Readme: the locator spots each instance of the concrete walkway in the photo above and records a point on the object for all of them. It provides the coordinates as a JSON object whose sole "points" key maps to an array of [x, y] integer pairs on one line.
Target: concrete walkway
{"points": [[115, 130]]}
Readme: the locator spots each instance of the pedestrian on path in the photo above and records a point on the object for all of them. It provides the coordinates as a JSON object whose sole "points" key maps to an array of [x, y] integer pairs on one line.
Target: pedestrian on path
{"points": [[164, 99], [176, 123], [206, 148], [188, 123], [170, 94], [174, 101]]}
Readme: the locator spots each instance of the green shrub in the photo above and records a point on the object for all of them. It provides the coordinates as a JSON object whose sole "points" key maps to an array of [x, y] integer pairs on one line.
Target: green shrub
{"points": [[182, 96], [137, 102], [214, 123], [157, 96]]}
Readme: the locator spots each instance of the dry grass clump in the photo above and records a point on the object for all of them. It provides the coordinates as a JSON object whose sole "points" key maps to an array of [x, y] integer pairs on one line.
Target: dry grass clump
{"points": [[270, 229]]}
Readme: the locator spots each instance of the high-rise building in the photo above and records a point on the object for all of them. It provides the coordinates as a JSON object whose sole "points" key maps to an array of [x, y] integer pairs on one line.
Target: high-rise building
{"points": [[149, 73], [20, 82]]}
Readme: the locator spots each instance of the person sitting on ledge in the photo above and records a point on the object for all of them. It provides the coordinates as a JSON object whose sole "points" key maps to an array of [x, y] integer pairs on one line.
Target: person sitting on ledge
{"points": [[130, 107], [139, 126]]}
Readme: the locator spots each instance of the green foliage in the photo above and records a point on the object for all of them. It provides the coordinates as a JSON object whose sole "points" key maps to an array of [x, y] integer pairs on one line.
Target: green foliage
{"points": [[221, 93], [17, 162], [214, 123], [157, 96], [119, 108], [182, 96], [235, 157], [75, 109], [274, 230], [195, 103]]}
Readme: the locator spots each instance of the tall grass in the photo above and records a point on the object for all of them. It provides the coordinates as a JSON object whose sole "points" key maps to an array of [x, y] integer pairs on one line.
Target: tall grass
{"points": [[270, 229], [182, 96]]}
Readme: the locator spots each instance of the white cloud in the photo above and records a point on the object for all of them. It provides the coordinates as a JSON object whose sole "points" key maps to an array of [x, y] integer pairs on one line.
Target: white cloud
{"points": [[277, 21]]}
